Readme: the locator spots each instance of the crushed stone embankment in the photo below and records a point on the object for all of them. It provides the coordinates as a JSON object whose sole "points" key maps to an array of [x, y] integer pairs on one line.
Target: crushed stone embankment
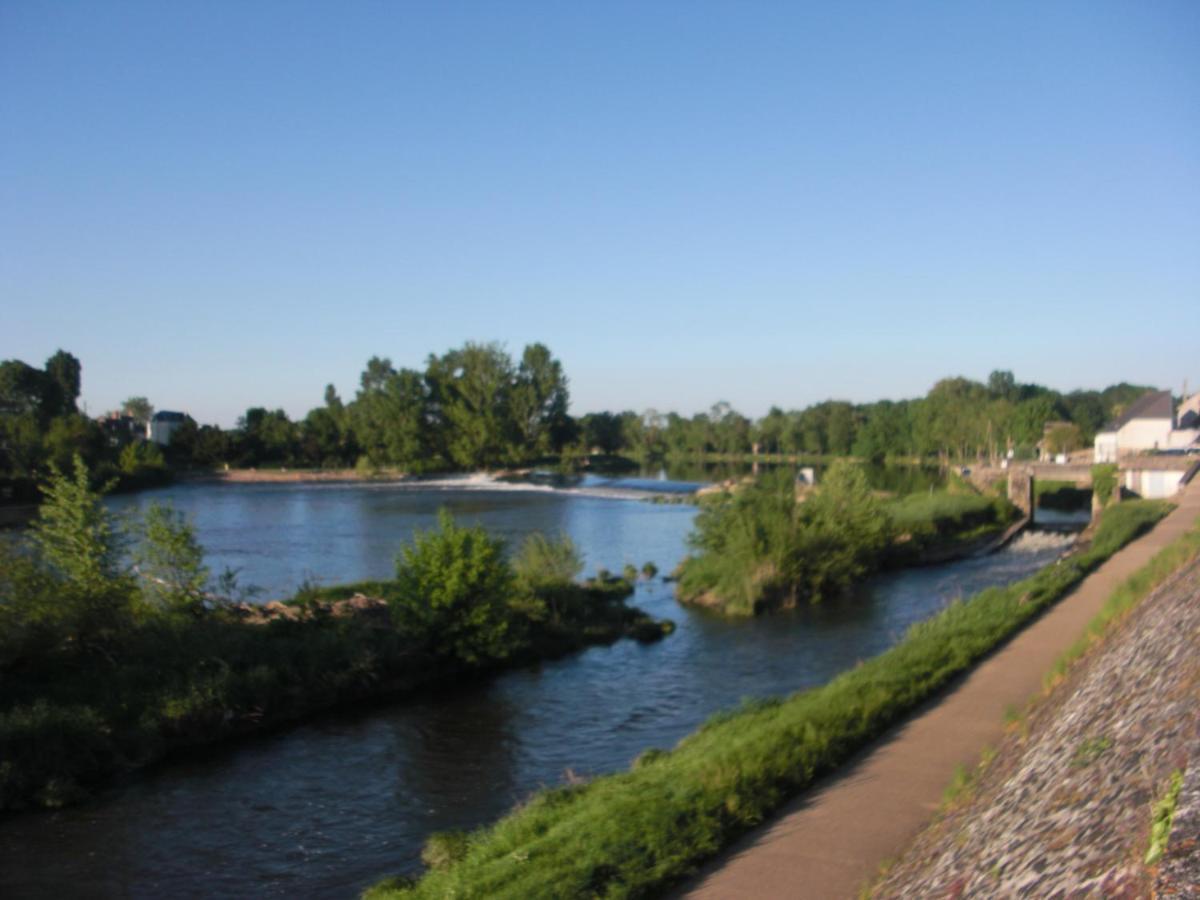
{"points": [[1064, 809]]}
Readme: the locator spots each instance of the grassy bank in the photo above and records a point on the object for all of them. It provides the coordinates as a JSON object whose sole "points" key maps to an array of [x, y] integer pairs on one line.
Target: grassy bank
{"points": [[103, 669], [941, 523], [761, 547], [636, 832]]}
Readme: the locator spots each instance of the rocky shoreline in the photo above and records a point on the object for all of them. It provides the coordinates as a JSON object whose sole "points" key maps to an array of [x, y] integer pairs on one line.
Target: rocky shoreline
{"points": [[1064, 807]]}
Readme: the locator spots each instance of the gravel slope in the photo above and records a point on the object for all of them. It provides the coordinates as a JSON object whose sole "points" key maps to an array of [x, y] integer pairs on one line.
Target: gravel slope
{"points": [[1064, 808]]}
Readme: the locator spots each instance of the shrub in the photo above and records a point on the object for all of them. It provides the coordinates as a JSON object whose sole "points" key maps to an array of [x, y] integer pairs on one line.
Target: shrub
{"points": [[171, 560], [453, 586], [760, 547], [1104, 482], [76, 535], [543, 562]]}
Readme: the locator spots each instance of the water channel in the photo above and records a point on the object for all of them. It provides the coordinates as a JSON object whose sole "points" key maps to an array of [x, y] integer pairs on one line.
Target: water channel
{"points": [[325, 809]]}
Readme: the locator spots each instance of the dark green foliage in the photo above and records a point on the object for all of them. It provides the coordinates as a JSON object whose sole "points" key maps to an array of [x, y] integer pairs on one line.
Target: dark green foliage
{"points": [[637, 833]]}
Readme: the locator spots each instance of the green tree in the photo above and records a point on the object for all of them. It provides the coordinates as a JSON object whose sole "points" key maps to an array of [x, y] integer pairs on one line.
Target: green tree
{"points": [[602, 431], [139, 409], [471, 392], [389, 417], [454, 586], [63, 381], [539, 403], [171, 561], [76, 534], [1063, 438]]}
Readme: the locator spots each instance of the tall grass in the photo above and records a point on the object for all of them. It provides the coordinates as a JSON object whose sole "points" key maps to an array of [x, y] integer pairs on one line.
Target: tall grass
{"points": [[942, 512], [633, 833]]}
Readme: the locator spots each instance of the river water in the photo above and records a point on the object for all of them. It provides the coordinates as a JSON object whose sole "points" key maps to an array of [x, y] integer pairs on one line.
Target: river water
{"points": [[325, 809]]}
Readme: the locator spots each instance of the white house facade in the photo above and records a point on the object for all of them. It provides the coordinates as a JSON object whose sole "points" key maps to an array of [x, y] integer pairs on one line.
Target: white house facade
{"points": [[162, 425], [1147, 425]]}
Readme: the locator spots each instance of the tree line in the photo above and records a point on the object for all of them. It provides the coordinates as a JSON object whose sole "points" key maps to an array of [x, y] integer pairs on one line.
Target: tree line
{"points": [[478, 407], [958, 419]]}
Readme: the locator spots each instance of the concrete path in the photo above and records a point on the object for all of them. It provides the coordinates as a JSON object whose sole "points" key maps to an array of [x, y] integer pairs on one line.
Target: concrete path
{"points": [[830, 842]]}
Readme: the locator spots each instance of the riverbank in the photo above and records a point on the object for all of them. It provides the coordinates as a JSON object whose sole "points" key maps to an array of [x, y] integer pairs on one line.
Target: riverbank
{"points": [[642, 830], [834, 841], [1062, 807]]}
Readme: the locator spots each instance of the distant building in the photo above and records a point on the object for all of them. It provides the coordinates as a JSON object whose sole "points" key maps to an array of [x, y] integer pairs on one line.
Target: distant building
{"points": [[1147, 424], [1157, 477], [162, 425]]}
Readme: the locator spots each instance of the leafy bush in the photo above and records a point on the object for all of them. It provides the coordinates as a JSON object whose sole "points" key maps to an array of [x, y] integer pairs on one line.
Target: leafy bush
{"points": [[1104, 482], [171, 560], [453, 585], [76, 535], [760, 547], [545, 562]]}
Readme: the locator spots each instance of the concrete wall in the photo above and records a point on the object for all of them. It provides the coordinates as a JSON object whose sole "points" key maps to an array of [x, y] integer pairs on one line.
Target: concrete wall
{"points": [[1182, 438], [1144, 434], [160, 432], [1153, 484], [1020, 490], [1106, 447]]}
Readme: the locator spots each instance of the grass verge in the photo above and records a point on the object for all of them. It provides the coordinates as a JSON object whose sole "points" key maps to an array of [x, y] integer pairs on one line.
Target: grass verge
{"points": [[633, 833]]}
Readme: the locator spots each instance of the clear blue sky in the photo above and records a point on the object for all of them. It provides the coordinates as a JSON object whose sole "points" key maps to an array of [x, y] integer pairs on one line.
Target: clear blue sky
{"points": [[228, 204]]}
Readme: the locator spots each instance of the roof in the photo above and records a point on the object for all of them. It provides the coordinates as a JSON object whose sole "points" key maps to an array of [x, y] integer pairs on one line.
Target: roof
{"points": [[1151, 405], [165, 416]]}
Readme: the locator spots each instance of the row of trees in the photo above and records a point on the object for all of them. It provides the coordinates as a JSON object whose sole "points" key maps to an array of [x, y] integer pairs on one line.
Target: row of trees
{"points": [[470, 408], [477, 407], [958, 419]]}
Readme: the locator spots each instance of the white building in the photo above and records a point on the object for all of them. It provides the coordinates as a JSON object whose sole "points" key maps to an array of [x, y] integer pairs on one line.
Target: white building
{"points": [[162, 425], [1147, 425], [1157, 477]]}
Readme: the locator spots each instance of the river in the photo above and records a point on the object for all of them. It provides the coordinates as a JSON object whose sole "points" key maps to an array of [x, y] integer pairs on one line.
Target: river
{"points": [[326, 808]]}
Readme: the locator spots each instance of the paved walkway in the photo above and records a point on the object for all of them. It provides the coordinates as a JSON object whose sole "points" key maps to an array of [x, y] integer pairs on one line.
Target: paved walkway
{"points": [[830, 842]]}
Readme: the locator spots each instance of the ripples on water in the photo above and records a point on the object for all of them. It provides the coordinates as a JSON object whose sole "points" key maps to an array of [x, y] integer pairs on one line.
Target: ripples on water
{"points": [[325, 809]]}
